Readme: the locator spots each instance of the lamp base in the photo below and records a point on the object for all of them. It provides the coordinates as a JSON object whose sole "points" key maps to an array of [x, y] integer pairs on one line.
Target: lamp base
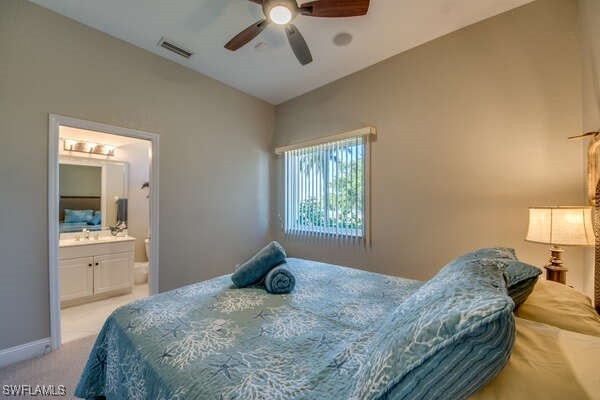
{"points": [[556, 271]]}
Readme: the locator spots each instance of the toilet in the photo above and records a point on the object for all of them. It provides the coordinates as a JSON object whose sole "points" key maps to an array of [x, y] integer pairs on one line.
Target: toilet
{"points": [[140, 269]]}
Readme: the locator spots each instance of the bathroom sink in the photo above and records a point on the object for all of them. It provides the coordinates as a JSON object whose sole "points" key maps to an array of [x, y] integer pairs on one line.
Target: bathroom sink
{"points": [[92, 240], [111, 238]]}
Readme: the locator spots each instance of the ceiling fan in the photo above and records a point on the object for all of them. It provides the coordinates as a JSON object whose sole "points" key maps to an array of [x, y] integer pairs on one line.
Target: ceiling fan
{"points": [[283, 12]]}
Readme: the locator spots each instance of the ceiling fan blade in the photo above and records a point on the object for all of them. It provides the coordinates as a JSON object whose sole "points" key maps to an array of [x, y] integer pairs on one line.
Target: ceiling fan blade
{"points": [[257, 1], [246, 35], [335, 8], [298, 44]]}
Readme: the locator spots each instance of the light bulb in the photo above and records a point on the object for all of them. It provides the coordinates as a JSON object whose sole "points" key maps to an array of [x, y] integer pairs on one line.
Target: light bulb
{"points": [[69, 144], [108, 149], [281, 15]]}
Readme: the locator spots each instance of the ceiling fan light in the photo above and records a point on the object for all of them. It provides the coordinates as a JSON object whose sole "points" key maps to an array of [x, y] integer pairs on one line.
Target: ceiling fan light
{"points": [[280, 15]]}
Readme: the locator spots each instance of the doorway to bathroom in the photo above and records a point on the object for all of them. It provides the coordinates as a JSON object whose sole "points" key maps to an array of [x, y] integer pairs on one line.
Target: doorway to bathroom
{"points": [[103, 223]]}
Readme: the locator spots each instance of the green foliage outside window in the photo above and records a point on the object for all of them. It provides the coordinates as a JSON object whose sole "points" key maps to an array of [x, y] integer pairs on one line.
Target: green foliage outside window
{"points": [[343, 205]]}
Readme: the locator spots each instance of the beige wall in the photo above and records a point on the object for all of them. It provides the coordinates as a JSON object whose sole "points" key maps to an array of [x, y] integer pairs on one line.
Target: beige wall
{"points": [[589, 14], [209, 221], [472, 130]]}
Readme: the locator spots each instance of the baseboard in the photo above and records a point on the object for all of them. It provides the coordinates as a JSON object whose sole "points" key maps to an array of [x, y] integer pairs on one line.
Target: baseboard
{"points": [[24, 352]]}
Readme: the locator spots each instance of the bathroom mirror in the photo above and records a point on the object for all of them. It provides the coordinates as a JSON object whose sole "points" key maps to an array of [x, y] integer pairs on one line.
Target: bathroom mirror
{"points": [[90, 192]]}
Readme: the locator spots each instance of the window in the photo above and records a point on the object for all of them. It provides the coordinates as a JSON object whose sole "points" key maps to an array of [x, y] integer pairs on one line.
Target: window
{"points": [[326, 188]]}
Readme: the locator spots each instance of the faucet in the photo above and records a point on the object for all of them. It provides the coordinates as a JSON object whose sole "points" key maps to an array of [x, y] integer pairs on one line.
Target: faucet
{"points": [[86, 233]]}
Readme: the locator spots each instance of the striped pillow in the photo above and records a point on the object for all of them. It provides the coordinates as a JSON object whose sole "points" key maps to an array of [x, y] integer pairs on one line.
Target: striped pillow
{"points": [[447, 340]]}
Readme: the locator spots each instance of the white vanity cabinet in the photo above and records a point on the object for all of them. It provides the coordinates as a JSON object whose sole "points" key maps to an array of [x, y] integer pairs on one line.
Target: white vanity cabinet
{"points": [[76, 278], [91, 270], [113, 272]]}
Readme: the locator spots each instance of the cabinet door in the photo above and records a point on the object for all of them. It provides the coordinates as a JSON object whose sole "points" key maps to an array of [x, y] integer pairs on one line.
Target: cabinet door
{"points": [[113, 272], [76, 278]]}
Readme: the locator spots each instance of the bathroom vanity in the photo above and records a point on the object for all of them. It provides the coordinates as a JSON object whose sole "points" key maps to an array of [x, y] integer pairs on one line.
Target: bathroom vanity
{"points": [[95, 268]]}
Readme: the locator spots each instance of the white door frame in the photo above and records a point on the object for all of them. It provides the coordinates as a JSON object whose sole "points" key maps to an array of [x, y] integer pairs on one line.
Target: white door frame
{"points": [[55, 122]]}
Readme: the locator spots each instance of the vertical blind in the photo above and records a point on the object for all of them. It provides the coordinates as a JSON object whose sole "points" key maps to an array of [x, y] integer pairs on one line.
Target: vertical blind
{"points": [[325, 189]]}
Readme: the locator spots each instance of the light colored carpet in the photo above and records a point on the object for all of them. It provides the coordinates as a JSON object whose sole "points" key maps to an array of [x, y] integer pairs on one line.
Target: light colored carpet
{"points": [[62, 367]]}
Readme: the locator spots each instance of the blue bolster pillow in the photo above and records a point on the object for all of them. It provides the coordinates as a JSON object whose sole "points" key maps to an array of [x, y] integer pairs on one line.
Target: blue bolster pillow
{"points": [[280, 280], [253, 270], [447, 340]]}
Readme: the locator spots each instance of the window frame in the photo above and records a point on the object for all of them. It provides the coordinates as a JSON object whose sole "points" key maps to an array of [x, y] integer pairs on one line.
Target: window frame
{"points": [[353, 234]]}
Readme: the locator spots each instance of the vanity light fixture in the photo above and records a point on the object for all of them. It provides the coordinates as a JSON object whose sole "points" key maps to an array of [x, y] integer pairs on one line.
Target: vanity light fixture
{"points": [[89, 147]]}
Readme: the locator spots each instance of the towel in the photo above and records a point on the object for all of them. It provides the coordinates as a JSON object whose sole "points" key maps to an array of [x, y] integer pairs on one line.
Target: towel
{"points": [[280, 280], [122, 210], [253, 270]]}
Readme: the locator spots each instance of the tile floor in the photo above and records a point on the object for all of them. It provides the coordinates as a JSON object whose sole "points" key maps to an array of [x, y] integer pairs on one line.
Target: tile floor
{"points": [[87, 319]]}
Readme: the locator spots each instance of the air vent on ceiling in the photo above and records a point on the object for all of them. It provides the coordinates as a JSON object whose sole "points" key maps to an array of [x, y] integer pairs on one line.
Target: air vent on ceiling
{"points": [[175, 48]]}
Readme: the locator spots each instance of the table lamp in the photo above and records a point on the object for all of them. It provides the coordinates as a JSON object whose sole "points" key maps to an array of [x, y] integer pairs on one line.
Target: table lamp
{"points": [[560, 226]]}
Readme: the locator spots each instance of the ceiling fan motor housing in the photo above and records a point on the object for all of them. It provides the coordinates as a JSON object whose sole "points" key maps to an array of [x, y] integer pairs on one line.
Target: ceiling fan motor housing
{"points": [[291, 5]]}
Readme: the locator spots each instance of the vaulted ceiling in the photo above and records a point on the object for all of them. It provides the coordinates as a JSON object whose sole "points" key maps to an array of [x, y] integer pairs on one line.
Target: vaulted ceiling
{"points": [[266, 67]]}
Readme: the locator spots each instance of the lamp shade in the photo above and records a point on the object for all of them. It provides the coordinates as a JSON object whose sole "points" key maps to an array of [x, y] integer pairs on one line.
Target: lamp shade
{"points": [[568, 226]]}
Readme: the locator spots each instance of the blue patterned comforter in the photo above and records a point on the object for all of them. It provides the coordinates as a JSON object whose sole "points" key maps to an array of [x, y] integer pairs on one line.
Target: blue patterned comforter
{"points": [[212, 341]]}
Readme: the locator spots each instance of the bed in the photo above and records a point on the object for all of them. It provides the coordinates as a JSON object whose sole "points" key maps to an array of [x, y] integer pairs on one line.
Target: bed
{"points": [[69, 227], [342, 333], [72, 217]]}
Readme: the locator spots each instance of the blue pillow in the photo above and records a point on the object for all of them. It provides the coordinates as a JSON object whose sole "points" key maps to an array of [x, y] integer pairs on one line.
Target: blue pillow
{"points": [[491, 252], [519, 292], [517, 272], [446, 341], [520, 277], [78, 215], [97, 219]]}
